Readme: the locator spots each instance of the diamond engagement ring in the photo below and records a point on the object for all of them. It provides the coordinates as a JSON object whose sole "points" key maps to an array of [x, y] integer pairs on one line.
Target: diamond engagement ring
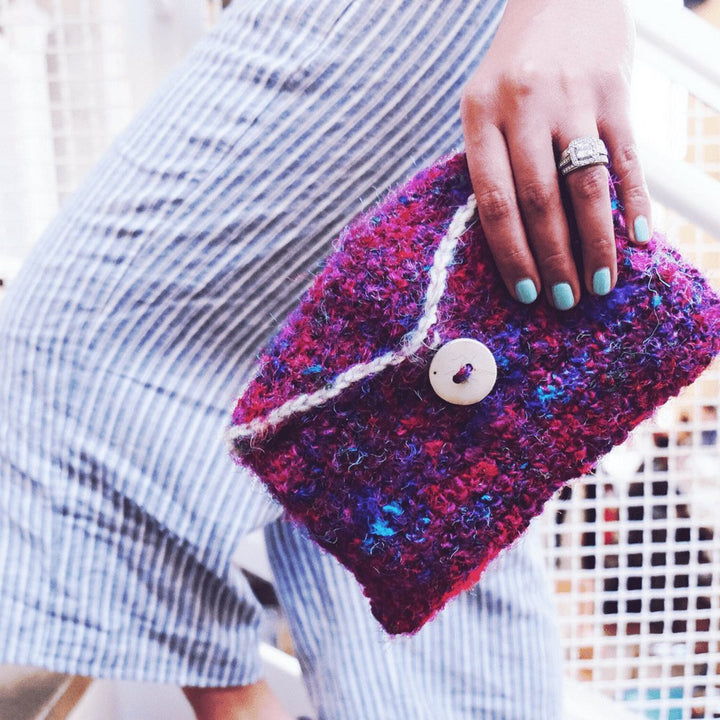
{"points": [[583, 152]]}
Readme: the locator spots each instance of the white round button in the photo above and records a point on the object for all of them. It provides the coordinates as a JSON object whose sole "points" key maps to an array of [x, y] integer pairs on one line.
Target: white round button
{"points": [[463, 371]]}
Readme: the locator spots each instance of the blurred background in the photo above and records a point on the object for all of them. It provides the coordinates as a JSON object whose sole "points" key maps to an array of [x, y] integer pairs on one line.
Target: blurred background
{"points": [[634, 551]]}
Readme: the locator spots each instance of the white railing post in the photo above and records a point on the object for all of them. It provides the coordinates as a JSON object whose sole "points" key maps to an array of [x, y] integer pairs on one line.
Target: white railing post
{"points": [[683, 45]]}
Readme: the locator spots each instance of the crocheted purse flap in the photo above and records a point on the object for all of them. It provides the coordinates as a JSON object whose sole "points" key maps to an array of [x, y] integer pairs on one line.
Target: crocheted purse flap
{"points": [[372, 306], [416, 495]]}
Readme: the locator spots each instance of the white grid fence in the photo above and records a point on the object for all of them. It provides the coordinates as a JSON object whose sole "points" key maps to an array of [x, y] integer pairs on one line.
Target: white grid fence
{"points": [[635, 550]]}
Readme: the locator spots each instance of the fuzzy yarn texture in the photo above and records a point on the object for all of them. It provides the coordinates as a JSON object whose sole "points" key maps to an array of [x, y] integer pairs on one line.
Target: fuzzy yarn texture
{"points": [[413, 494]]}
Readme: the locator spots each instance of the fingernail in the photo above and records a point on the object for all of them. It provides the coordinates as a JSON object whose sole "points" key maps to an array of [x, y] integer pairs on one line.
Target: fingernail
{"points": [[563, 296], [642, 231], [601, 281], [526, 291]]}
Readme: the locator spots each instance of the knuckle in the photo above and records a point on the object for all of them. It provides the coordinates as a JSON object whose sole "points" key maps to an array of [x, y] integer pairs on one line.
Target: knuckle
{"points": [[610, 81], [495, 205], [521, 81], [474, 103], [467, 103], [555, 264], [626, 159], [536, 198], [590, 184], [513, 260], [572, 81], [603, 246], [635, 192]]}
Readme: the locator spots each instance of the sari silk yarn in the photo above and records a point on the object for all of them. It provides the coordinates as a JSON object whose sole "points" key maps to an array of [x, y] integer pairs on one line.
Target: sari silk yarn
{"points": [[413, 494]]}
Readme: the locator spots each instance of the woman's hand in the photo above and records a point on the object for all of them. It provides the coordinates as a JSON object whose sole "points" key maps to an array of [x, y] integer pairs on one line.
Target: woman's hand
{"points": [[556, 70]]}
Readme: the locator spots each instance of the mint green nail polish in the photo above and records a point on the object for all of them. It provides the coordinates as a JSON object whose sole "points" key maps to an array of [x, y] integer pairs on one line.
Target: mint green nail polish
{"points": [[526, 291], [601, 281], [642, 231], [563, 296]]}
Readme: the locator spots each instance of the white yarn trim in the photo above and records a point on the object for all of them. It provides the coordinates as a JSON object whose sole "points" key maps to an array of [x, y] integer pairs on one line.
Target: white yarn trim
{"points": [[410, 345]]}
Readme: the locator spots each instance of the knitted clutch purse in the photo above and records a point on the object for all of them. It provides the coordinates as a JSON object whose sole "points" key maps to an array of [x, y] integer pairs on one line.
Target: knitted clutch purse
{"points": [[415, 494]]}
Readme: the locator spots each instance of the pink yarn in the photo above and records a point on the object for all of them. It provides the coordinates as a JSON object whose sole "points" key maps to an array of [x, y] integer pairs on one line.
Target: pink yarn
{"points": [[414, 495]]}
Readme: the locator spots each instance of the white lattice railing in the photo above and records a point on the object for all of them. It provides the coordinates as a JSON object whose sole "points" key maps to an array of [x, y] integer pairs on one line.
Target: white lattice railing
{"points": [[635, 550]]}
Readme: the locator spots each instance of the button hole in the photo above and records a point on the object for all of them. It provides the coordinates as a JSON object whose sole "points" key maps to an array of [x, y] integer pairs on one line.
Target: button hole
{"points": [[463, 373]]}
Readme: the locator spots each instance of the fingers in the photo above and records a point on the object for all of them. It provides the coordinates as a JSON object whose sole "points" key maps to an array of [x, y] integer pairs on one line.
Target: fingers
{"points": [[500, 217], [589, 192], [519, 196], [632, 190], [541, 207]]}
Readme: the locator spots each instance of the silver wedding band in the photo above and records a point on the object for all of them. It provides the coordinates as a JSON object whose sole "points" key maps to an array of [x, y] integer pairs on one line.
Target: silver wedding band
{"points": [[583, 152]]}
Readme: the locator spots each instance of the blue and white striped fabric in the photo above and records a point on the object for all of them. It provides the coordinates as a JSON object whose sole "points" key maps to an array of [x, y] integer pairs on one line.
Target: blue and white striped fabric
{"points": [[129, 332], [491, 654]]}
